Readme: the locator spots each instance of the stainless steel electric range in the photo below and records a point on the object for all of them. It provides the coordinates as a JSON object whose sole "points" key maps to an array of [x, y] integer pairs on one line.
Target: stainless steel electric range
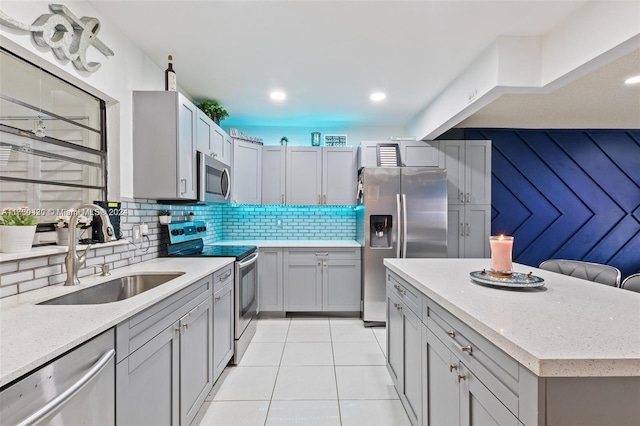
{"points": [[187, 239]]}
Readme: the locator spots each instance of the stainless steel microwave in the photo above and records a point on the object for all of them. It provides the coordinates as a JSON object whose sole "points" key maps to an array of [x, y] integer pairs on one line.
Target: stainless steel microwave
{"points": [[214, 179]]}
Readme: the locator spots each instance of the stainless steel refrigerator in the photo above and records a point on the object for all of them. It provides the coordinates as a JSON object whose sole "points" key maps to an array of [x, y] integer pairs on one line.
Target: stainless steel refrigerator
{"points": [[402, 213]]}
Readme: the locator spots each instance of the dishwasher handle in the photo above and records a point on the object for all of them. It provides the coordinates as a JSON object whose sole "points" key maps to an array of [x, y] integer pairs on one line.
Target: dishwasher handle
{"points": [[60, 400]]}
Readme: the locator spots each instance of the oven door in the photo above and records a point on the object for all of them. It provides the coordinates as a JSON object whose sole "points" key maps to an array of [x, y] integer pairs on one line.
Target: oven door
{"points": [[246, 287], [214, 179]]}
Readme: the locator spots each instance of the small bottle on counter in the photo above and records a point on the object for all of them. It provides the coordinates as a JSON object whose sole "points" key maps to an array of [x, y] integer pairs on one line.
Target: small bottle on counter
{"points": [[170, 79]]}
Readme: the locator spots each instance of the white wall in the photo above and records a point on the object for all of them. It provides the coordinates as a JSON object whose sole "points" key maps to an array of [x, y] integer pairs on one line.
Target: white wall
{"points": [[593, 36], [129, 69]]}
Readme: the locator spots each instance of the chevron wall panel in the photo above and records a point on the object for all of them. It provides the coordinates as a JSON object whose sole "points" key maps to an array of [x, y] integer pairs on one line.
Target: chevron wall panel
{"points": [[571, 194]]}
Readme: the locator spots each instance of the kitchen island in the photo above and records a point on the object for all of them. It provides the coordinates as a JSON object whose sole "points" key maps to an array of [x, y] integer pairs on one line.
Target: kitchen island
{"points": [[564, 353]]}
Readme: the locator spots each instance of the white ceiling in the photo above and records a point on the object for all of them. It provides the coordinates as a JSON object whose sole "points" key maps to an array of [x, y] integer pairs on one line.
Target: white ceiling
{"points": [[328, 56]]}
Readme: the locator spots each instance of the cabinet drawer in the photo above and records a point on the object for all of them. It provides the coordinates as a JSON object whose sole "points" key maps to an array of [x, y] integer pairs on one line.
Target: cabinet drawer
{"points": [[495, 369], [140, 328], [408, 295], [222, 276], [311, 254]]}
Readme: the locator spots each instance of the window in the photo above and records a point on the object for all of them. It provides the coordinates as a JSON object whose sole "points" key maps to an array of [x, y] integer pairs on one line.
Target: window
{"points": [[52, 140]]}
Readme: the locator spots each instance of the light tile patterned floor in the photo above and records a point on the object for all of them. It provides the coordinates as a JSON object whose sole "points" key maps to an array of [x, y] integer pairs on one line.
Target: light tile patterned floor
{"points": [[308, 371]]}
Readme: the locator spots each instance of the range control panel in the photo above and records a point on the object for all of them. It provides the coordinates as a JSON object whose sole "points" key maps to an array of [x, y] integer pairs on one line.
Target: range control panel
{"points": [[187, 231]]}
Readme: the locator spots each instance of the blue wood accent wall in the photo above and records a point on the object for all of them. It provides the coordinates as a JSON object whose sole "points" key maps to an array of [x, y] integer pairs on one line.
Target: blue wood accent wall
{"points": [[570, 194]]}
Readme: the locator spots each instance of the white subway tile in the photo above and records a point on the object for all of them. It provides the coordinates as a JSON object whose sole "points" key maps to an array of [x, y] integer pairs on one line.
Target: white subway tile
{"points": [[16, 277], [32, 263], [48, 271], [33, 284], [6, 267], [8, 290]]}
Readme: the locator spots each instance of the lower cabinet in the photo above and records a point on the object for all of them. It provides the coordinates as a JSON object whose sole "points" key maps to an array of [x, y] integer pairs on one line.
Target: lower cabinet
{"points": [[270, 279], [223, 327], [163, 375], [469, 230], [322, 280], [436, 364], [404, 360]]}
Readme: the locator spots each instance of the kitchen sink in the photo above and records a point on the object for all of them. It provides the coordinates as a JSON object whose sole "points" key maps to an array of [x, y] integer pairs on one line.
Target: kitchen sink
{"points": [[114, 290]]}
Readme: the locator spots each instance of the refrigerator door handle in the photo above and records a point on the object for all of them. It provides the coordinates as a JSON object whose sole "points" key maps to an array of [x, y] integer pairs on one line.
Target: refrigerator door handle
{"points": [[398, 226], [404, 225]]}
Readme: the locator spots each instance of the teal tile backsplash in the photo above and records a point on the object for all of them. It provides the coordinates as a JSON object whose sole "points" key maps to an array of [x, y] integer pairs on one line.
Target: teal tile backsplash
{"points": [[245, 222]]}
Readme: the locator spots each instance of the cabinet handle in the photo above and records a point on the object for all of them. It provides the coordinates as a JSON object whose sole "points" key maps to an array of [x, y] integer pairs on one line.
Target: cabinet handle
{"points": [[398, 306], [401, 290], [319, 199], [184, 185], [467, 348], [467, 226], [325, 263], [462, 377], [319, 263], [218, 298], [177, 329], [221, 278], [462, 229], [451, 334], [282, 197], [461, 197], [322, 253], [324, 199], [468, 197], [453, 367], [185, 325], [214, 154]]}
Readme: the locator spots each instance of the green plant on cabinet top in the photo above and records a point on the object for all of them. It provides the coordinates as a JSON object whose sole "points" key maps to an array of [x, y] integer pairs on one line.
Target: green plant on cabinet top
{"points": [[213, 110]]}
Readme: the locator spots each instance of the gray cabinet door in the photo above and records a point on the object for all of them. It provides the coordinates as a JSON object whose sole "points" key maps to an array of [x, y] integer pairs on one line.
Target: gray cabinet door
{"points": [[441, 386], [273, 174], [302, 285], [247, 173], [217, 141], [395, 346], [227, 150], [341, 285], [203, 132], [455, 231], [339, 176], [478, 406], [304, 175], [454, 163], [478, 172], [186, 153], [223, 305], [419, 153], [477, 230], [271, 279], [196, 359], [411, 394], [147, 382]]}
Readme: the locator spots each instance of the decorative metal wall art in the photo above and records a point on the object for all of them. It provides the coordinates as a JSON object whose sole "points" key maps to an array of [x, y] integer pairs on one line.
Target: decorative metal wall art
{"points": [[68, 36]]}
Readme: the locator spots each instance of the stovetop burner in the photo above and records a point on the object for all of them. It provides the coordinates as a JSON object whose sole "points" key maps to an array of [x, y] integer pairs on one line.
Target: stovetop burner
{"points": [[187, 240]]}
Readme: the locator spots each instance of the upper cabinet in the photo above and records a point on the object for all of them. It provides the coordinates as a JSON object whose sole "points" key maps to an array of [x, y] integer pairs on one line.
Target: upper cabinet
{"points": [[164, 143], [468, 165], [412, 153], [212, 140], [247, 173], [274, 174], [321, 176]]}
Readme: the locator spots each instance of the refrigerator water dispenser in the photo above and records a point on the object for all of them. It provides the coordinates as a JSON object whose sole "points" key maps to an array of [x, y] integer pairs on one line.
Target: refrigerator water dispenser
{"points": [[380, 232]]}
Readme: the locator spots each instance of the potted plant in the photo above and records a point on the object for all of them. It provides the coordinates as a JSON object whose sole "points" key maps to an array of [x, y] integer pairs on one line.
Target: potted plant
{"points": [[213, 110], [62, 228], [17, 229], [191, 217], [284, 141], [164, 216]]}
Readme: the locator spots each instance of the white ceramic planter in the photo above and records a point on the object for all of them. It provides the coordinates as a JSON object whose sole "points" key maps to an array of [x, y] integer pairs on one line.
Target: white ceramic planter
{"points": [[16, 239], [63, 236], [164, 220]]}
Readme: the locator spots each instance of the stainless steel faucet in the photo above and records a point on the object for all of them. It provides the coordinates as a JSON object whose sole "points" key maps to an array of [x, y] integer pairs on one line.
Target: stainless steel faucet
{"points": [[72, 261]]}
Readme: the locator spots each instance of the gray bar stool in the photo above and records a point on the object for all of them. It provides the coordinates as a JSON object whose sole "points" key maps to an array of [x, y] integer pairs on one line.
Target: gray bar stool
{"points": [[632, 282], [596, 272]]}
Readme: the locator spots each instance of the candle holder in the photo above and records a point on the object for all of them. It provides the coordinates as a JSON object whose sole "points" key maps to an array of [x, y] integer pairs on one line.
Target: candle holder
{"points": [[501, 252]]}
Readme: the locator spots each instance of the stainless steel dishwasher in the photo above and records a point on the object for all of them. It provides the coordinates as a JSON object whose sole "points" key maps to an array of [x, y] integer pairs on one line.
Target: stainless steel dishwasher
{"points": [[77, 388]]}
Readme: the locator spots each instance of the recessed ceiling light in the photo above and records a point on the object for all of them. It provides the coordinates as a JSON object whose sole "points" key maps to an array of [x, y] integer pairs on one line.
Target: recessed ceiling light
{"points": [[633, 80], [377, 96], [278, 96]]}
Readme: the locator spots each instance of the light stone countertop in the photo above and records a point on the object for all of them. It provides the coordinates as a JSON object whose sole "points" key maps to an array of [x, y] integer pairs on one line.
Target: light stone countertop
{"points": [[293, 243], [571, 328], [31, 335]]}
